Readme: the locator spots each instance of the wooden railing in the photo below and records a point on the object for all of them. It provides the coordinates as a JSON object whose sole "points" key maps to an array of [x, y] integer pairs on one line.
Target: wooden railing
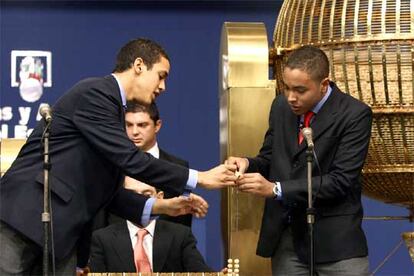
{"points": [[159, 274]]}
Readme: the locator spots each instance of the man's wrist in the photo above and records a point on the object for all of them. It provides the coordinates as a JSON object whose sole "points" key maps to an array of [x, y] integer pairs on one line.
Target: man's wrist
{"points": [[200, 179], [158, 207]]}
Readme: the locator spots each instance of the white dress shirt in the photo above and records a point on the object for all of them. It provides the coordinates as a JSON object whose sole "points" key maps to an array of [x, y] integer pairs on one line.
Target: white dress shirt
{"points": [[154, 151], [148, 239]]}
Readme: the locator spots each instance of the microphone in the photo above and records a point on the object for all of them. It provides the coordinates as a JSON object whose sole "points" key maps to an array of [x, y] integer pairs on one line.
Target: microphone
{"points": [[307, 134], [46, 112]]}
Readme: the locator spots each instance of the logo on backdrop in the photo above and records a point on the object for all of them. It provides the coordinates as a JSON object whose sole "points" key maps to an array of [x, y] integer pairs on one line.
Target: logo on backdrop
{"points": [[31, 71]]}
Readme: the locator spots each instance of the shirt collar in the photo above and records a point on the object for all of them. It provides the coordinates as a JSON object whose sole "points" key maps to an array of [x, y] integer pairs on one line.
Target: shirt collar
{"points": [[322, 102], [122, 91], [133, 228], [154, 151]]}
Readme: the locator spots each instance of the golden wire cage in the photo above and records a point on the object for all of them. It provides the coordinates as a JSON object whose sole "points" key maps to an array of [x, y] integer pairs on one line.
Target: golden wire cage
{"points": [[371, 50]]}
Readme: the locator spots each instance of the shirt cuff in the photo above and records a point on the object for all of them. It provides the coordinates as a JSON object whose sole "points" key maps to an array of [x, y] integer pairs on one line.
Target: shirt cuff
{"points": [[146, 213], [279, 191], [248, 163], [192, 180]]}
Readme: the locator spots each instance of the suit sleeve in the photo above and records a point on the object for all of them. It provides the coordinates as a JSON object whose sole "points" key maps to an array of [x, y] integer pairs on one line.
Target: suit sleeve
{"points": [[344, 172], [97, 255], [173, 159], [128, 205], [193, 261], [183, 219], [98, 117]]}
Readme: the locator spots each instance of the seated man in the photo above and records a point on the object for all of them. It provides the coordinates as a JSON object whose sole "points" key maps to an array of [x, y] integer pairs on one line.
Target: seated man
{"points": [[163, 247], [143, 123]]}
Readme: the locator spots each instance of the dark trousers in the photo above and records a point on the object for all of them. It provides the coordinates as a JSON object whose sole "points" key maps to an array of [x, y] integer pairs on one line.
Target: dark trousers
{"points": [[286, 262]]}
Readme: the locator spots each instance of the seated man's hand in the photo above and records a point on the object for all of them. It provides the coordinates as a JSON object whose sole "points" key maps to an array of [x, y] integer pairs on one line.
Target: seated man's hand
{"points": [[200, 206], [218, 177], [175, 206]]}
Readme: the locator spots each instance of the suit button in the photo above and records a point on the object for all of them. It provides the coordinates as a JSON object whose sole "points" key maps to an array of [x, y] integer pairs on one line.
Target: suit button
{"points": [[295, 164]]}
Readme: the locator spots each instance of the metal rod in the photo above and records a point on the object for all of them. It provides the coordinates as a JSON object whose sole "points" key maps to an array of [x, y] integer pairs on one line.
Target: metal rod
{"points": [[310, 212], [387, 257], [387, 218], [46, 207]]}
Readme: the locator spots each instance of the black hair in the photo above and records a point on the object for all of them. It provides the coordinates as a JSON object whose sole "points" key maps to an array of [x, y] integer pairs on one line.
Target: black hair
{"points": [[151, 109], [148, 50], [310, 59]]}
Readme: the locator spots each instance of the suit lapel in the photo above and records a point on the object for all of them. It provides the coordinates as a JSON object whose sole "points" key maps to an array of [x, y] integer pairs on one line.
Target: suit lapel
{"points": [[325, 117], [161, 245], [123, 247]]}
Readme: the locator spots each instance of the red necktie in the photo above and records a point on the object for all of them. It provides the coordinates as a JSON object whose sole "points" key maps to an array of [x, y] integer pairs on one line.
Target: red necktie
{"points": [[306, 122], [142, 263]]}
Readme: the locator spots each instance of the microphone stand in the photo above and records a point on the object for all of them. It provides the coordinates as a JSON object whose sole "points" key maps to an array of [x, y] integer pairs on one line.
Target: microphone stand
{"points": [[310, 211], [46, 199]]}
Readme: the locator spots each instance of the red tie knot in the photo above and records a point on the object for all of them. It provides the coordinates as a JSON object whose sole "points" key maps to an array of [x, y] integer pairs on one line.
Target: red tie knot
{"points": [[141, 233], [307, 118]]}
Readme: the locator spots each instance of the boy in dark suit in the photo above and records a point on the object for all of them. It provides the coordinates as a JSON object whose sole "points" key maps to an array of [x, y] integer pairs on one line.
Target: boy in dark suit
{"points": [[90, 154], [341, 132]]}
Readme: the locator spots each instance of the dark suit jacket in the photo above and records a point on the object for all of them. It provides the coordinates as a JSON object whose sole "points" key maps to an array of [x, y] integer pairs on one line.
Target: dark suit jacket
{"points": [[184, 219], [341, 132], [90, 152], [174, 249]]}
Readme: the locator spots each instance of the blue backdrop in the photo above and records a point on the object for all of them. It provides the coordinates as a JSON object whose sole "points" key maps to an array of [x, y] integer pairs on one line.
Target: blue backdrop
{"points": [[84, 37]]}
